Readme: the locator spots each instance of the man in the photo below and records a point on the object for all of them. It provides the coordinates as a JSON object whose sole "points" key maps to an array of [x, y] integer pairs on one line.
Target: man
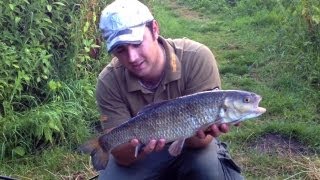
{"points": [[147, 69]]}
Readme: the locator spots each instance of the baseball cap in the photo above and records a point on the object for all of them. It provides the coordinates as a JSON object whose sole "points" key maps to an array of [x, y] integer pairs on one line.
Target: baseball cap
{"points": [[123, 22]]}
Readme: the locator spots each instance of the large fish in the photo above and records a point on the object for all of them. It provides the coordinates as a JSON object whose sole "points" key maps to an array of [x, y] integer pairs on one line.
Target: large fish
{"points": [[177, 119]]}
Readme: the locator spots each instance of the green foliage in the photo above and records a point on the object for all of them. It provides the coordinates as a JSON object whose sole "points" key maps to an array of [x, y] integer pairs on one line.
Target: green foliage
{"points": [[64, 121], [43, 41], [48, 70], [54, 163], [28, 36]]}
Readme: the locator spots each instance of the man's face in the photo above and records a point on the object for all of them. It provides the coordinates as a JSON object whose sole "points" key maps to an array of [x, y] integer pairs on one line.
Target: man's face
{"points": [[143, 59]]}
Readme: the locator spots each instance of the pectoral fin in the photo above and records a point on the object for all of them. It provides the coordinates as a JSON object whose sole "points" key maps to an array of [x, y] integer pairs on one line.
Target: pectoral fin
{"points": [[176, 147]]}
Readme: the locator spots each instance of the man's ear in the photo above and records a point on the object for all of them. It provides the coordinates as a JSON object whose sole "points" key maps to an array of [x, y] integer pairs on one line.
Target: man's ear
{"points": [[155, 29]]}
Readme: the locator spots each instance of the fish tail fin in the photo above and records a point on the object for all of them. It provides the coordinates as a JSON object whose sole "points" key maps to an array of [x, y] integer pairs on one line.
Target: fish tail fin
{"points": [[99, 156]]}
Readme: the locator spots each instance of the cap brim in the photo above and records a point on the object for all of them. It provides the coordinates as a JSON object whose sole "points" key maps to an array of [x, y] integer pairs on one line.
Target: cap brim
{"points": [[133, 35]]}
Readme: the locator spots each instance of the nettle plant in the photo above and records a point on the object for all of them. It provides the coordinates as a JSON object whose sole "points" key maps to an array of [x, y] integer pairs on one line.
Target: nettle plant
{"points": [[49, 54]]}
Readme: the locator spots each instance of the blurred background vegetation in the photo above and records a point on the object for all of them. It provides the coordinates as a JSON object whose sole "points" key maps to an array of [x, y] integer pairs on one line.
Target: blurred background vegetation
{"points": [[52, 52]]}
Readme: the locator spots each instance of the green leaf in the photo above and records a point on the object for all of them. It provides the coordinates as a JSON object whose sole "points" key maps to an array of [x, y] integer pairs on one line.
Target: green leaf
{"points": [[90, 93], [26, 1], [16, 66], [95, 46], [19, 150], [94, 18], [49, 8], [52, 125], [316, 19], [17, 20], [7, 62], [47, 20], [315, 8], [44, 77], [59, 3], [48, 134], [39, 131], [26, 78], [86, 27], [52, 85], [11, 6]]}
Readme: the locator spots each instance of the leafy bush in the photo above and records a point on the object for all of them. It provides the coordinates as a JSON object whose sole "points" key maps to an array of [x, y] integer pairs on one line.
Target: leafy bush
{"points": [[50, 51], [60, 122]]}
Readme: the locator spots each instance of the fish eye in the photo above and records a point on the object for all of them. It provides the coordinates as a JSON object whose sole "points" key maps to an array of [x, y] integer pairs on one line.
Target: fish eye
{"points": [[246, 99]]}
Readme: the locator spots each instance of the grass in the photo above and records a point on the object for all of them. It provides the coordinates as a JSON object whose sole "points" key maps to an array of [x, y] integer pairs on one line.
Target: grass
{"points": [[253, 53], [55, 163], [245, 48]]}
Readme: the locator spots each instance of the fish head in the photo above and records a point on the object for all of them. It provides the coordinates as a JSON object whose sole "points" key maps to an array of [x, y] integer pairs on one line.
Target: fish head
{"points": [[239, 106]]}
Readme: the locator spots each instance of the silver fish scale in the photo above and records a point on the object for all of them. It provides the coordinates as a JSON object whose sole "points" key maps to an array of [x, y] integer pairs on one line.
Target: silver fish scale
{"points": [[177, 118]]}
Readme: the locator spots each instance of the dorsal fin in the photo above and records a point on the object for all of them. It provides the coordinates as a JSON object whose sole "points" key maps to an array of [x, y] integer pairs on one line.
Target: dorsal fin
{"points": [[153, 106]]}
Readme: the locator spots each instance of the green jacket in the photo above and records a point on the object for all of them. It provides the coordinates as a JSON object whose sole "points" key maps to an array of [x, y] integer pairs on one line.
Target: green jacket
{"points": [[191, 67]]}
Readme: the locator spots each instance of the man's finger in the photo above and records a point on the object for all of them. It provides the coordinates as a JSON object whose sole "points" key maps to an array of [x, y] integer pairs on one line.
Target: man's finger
{"points": [[149, 147], [215, 132], [134, 142], [223, 128], [160, 144], [201, 134]]}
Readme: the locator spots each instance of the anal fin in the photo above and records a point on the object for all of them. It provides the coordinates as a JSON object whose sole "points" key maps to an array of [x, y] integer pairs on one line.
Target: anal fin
{"points": [[176, 147]]}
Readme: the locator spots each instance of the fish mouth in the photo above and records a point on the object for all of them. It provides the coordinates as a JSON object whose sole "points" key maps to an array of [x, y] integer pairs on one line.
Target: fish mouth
{"points": [[252, 114], [259, 110]]}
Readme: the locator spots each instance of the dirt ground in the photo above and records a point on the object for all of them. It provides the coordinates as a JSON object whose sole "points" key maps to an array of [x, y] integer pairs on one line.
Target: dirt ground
{"points": [[281, 145]]}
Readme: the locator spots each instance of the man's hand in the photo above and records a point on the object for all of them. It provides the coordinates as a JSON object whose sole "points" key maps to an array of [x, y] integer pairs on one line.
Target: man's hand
{"points": [[125, 153], [213, 130], [204, 137]]}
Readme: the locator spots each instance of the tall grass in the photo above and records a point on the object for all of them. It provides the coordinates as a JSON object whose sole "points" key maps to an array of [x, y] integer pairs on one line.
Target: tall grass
{"points": [[48, 70], [64, 121]]}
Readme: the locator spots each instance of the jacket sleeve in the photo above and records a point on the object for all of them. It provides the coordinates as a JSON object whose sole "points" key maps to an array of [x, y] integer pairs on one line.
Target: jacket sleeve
{"points": [[113, 109]]}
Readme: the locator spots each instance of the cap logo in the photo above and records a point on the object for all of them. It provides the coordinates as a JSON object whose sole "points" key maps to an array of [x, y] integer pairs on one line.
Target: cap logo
{"points": [[119, 33]]}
